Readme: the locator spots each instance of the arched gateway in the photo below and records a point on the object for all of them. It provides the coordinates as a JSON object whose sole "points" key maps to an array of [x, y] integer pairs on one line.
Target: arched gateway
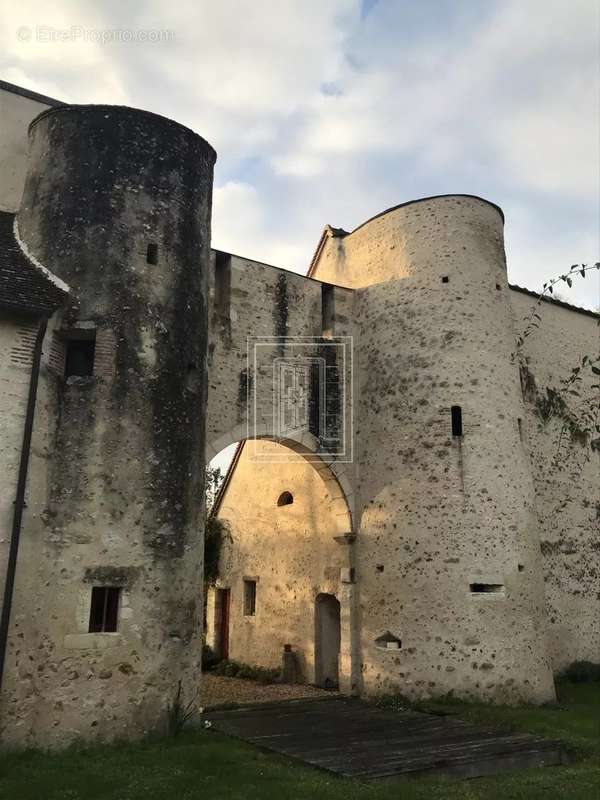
{"points": [[159, 352]]}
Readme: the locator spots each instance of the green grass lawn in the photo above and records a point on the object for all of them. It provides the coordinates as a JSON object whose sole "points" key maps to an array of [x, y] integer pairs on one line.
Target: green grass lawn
{"points": [[208, 765]]}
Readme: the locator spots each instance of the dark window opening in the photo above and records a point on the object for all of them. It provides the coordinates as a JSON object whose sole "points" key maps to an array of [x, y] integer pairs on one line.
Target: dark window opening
{"points": [[327, 310], [379, 567], [104, 609], [222, 283], [445, 279], [457, 428], [285, 499], [498, 287], [520, 426], [486, 588], [520, 567], [80, 353], [249, 597], [152, 253]]}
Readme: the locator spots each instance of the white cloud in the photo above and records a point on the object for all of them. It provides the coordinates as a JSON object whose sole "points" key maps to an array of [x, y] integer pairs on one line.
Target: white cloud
{"points": [[339, 118], [242, 224]]}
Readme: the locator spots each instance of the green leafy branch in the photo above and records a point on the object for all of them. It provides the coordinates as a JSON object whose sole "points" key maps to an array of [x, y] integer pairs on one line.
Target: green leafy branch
{"points": [[533, 319], [579, 413]]}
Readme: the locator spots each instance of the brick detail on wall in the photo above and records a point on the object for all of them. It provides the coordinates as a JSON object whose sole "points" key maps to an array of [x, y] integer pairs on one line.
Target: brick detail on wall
{"points": [[104, 357], [21, 352], [56, 354]]}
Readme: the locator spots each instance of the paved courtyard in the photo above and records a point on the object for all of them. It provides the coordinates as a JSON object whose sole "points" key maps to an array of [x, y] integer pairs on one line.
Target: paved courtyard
{"points": [[218, 690]]}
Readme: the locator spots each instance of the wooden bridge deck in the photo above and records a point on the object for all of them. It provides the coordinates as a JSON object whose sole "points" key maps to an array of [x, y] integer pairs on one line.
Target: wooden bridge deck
{"points": [[352, 738]]}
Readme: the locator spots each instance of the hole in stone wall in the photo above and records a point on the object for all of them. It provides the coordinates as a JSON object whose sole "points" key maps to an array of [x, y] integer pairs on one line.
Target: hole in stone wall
{"points": [[456, 415], [498, 287], [445, 279], [520, 567], [285, 499], [486, 588], [520, 427], [104, 609], [152, 253], [80, 351], [387, 641], [249, 597], [379, 567]]}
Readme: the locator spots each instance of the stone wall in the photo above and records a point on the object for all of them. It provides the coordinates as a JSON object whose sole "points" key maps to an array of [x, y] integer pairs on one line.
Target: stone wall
{"points": [[438, 516], [250, 301], [17, 338], [567, 482], [16, 112], [293, 551]]}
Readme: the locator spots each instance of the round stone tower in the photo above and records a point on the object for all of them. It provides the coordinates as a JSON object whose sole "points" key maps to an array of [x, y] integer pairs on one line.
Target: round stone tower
{"points": [[117, 203], [447, 551]]}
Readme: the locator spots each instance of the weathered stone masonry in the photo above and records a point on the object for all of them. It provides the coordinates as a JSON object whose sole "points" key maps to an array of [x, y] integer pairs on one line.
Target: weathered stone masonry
{"points": [[116, 206], [436, 516]]}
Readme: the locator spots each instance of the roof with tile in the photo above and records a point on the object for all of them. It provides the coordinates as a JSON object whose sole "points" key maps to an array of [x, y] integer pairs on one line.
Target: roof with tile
{"points": [[24, 286]]}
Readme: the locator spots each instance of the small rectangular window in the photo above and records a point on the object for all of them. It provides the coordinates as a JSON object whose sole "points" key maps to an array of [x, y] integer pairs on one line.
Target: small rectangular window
{"points": [[445, 279], [152, 253], [104, 609], [249, 597], [457, 429], [486, 588], [80, 351]]}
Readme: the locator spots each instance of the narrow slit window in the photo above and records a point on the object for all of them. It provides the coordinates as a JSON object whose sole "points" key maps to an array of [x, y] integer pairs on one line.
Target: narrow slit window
{"points": [[152, 253], [285, 499], [327, 310], [486, 588], [79, 359], [249, 597], [520, 427], [222, 283], [104, 609], [456, 415]]}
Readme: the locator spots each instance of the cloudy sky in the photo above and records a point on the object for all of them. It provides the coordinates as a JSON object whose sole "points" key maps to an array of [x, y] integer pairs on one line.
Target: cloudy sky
{"points": [[329, 111]]}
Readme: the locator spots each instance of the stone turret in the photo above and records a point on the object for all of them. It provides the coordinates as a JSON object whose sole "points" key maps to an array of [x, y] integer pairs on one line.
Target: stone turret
{"points": [[447, 551], [117, 203]]}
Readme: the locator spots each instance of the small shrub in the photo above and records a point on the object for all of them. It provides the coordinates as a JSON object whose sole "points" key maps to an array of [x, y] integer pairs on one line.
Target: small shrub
{"points": [[179, 713], [215, 531], [234, 669], [581, 672]]}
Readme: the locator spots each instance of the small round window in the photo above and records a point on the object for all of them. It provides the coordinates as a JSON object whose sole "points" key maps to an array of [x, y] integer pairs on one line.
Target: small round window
{"points": [[285, 499]]}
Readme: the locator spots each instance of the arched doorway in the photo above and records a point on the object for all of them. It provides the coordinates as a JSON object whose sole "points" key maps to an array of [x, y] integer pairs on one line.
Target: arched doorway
{"points": [[327, 641]]}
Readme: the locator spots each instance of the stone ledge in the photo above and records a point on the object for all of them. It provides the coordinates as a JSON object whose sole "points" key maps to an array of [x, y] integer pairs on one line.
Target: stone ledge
{"points": [[92, 641]]}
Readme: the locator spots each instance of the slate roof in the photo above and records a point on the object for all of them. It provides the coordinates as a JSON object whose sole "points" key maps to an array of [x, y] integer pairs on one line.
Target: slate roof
{"points": [[23, 285]]}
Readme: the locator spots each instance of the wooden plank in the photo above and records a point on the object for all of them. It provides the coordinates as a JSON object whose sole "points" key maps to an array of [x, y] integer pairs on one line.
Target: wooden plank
{"points": [[352, 738]]}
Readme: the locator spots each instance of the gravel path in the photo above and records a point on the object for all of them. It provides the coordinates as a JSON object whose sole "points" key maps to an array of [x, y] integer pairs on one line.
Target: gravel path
{"points": [[217, 690]]}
